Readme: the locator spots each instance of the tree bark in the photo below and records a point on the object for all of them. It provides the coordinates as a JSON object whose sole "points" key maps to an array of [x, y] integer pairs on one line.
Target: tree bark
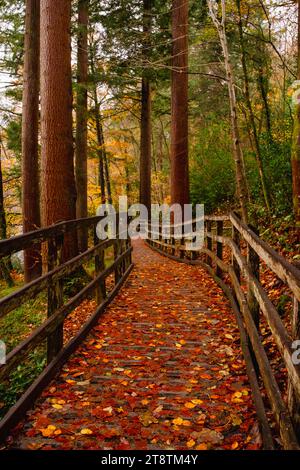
{"points": [[146, 156], [58, 180], [30, 129], [4, 268], [81, 124], [241, 181], [295, 157], [99, 128], [251, 113], [179, 108]]}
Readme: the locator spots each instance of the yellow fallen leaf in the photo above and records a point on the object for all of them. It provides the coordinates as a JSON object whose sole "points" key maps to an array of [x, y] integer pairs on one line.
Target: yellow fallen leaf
{"points": [[178, 345], [186, 422], [48, 432], [178, 421], [190, 443], [86, 431], [57, 406], [182, 341], [229, 336], [196, 401], [71, 382], [235, 445], [145, 402], [190, 405], [202, 446]]}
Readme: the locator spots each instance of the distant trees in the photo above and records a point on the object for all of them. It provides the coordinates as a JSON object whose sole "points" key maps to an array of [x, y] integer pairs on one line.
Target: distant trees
{"points": [[30, 133], [82, 118], [241, 179], [146, 136], [296, 142], [179, 106], [57, 165]]}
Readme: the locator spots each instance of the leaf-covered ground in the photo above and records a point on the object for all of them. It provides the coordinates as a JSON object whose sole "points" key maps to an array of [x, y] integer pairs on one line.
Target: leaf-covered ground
{"points": [[162, 370]]}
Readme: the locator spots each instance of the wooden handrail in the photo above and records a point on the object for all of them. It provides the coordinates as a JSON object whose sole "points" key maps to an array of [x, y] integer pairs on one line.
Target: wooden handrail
{"points": [[51, 329], [288, 273], [247, 306]]}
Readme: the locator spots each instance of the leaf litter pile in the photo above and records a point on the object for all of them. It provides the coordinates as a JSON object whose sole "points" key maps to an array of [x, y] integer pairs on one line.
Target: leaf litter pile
{"points": [[162, 370]]}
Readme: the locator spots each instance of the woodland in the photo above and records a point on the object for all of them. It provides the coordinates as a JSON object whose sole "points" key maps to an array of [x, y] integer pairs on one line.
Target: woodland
{"points": [[167, 102]]}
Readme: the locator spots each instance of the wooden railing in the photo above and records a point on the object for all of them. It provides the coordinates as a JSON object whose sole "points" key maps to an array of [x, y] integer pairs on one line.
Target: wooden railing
{"points": [[237, 273], [51, 330]]}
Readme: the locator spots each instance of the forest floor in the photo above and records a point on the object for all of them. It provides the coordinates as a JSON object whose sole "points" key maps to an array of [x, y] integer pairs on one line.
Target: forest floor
{"points": [[162, 370]]}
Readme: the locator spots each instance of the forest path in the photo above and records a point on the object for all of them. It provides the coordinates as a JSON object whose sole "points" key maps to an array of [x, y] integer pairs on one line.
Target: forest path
{"points": [[163, 369]]}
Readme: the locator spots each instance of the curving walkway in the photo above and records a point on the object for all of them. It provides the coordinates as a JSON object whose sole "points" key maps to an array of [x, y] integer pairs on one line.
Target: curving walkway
{"points": [[162, 370]]}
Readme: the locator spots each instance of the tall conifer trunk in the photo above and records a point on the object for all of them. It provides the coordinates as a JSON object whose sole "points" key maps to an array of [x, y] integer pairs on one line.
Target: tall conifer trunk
{"points": [[145, 159], [179, 112], [81, 122], [57, 170], [30, 129]]}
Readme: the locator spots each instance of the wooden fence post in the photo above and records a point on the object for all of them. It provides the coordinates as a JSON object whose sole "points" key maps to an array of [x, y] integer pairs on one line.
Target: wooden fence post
{"points": [[219, 251], [254, 264], [208, 241], [293, 399], [117, 252], [55, 296], [194, 254], [99, 267], [236, 237]]}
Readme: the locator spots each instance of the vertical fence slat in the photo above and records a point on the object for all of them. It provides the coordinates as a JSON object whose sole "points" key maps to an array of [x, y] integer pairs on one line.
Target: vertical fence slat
{"points": [[219, 251], [55, 296], [209, 242]]}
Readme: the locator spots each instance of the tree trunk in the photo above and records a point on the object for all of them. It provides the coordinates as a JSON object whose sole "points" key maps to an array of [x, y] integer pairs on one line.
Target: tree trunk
{"points": [[4, 264], [145, 158], [107, 173], [81, 124], [251, 113], [241, 181], [99, 129], [179, 108], [58, 181], [30, 129], [296, 145]]}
